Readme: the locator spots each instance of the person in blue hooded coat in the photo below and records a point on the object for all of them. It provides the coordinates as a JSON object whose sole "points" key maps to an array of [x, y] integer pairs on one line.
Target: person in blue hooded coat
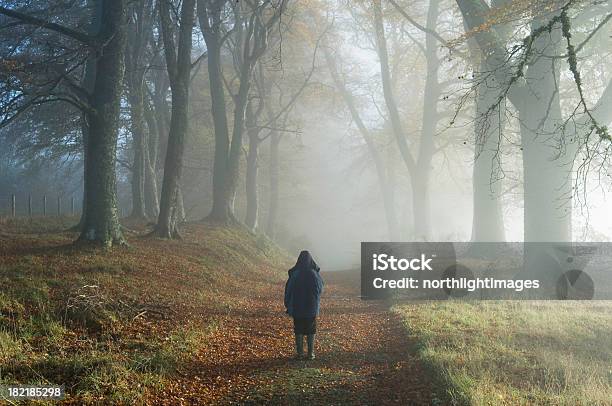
{"points": [[302, 301]]}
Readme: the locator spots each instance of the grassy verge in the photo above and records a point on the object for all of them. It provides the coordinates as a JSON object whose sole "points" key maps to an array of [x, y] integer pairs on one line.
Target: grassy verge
{"points": [[513, 353], [37, 225], [72, 331], [117, 326]]}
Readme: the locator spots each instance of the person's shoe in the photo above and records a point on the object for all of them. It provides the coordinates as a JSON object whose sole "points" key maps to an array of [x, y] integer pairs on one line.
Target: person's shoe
{"points": [[310, 357]]}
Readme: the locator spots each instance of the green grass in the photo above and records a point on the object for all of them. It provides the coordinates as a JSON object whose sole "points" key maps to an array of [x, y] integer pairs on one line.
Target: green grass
{"points": [[516, 353]]}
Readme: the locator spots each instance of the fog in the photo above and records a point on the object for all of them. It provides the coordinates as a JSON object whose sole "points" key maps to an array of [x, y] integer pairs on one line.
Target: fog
{"points": [[403, 121]]}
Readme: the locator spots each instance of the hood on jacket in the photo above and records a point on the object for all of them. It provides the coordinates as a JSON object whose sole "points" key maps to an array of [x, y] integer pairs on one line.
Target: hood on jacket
{"points": [[304, 262]]}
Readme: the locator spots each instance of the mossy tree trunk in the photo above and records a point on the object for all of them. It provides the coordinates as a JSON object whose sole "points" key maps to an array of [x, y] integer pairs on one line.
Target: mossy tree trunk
{"points": [[87, 84], [101, 220], [99, 97]]}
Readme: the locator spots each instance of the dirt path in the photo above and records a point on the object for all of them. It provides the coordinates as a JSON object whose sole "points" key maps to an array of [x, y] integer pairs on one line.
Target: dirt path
{"points": [[363, 356]]}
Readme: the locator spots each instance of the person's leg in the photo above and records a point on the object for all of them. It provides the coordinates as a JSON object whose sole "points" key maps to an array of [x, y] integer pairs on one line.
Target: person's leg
{"points": [[310, 337], [299, 336], [310, 340], [299, 344]]}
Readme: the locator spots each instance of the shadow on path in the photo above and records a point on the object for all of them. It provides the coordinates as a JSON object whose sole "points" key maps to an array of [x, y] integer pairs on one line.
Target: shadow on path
{"points": [[363, 355]]}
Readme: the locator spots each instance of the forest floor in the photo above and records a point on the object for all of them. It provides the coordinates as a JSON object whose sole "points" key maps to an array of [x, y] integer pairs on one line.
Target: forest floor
{"points": [[198, 321], [201, 321]]}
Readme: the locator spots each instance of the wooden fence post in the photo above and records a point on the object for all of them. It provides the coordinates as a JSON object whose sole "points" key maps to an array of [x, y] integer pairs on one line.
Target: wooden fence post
{"points": [[29, 205], [13, 209], [59, 206], [44, 205], [72, 206]]}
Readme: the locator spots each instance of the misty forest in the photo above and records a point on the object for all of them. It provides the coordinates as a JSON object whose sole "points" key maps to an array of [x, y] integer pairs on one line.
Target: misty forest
{"points": [[163, 162], [368, 118]]}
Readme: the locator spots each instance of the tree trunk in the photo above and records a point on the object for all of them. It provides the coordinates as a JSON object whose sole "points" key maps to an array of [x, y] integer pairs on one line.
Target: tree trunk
{"points": [[88, 84], [161, 112], [157, 120], [252, 164], [252, 197], [179, 210], [421, 177], [139, 144], [547, 177], [235, 153], [386, 180], [487, 219], [274, 170], [151, 199], [387, 84], [419, 170], [210, 19], [101, 222], [390, 213], [139, 28], [84, 139], [547, 182], [251, 41], [222, 201], [420, 203], [179, 70]]}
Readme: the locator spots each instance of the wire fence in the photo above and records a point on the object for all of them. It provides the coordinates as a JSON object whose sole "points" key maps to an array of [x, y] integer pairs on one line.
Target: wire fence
{"points": [[19, 205]]}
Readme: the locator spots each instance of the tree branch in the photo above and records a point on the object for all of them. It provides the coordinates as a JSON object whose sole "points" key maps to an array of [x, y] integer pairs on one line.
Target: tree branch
{"points": [[420, 27], [38, 22]]}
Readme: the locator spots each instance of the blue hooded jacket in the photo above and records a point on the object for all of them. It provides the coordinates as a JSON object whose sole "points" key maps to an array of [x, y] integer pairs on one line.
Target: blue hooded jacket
{"points": [[303, 288]]}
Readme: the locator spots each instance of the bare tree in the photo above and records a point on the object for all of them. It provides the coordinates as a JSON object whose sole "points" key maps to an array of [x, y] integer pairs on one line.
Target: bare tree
{"points": [[253, 23], [418, 162], [386, 185], [528, 75]]}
